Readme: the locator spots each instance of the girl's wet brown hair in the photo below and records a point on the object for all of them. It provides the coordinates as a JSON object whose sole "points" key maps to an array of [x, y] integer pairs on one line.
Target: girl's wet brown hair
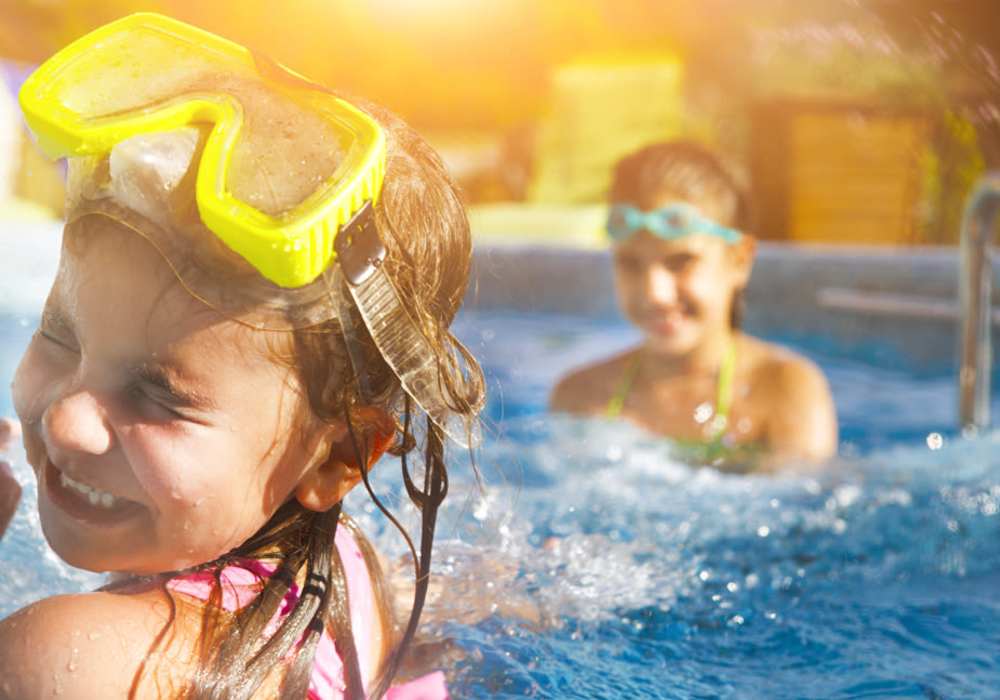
{"points": [[691, 171], [423, 224]]}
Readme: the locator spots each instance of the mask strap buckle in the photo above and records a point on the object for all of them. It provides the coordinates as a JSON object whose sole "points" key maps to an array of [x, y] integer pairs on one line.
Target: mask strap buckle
{"points": [[360, 250]]}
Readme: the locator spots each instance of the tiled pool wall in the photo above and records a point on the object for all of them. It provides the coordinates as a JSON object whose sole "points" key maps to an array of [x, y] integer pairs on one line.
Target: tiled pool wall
{"points": [[905, 300]]}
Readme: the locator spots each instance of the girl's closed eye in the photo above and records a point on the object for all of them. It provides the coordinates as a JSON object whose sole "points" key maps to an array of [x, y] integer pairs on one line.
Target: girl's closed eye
{"points": [[153, 403], [158, 397], [56, 331], [57, 341]]}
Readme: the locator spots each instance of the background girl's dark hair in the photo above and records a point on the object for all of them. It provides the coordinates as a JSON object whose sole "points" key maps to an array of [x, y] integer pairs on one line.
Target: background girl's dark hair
{"points": [[425, 229], [691, 171]]}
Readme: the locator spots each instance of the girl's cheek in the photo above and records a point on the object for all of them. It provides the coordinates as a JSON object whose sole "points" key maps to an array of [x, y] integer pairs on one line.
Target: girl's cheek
{"points": [[176, 469], [707, 284]]}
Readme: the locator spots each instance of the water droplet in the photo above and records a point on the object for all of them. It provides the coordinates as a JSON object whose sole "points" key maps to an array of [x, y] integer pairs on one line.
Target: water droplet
{"points": [[935, 441], [763, 531], [482, 510], [846, 495], [703, 412]]}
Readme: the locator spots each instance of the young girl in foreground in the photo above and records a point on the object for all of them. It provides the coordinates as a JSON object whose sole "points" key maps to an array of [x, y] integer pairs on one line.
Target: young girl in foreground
{"points": [[210, 377], [681, 264]]}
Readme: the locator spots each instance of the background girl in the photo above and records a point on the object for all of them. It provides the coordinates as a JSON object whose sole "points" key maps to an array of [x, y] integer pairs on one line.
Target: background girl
{"points": [[195, 409], [682, 259]]}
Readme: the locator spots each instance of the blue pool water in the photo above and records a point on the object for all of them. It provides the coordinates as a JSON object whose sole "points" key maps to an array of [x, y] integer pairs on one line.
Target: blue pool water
{"points": [[597, 566]]}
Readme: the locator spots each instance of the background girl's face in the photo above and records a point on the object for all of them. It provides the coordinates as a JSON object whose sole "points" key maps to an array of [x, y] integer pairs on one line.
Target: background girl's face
{"points": [[680, 291], [160, 432]]}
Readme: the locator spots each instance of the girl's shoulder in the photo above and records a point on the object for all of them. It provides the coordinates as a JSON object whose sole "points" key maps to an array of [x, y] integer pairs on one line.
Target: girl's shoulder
{"points": [[589, 388], [92, 645], [792, 397], [775, 366]]}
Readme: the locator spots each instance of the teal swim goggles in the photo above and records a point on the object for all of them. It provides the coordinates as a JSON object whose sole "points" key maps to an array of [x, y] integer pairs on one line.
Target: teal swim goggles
{"points": [[669, 223]]}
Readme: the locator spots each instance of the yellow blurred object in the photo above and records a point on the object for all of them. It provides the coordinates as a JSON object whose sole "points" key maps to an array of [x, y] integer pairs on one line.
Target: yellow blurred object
{"points": [[37, 182], [599, 113], [580, 226], [839, 173], [15, 209], [855, 180]]}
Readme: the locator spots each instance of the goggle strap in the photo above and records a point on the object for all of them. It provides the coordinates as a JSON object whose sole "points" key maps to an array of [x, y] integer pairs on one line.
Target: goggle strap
{"points": [[359, 248], [341, 302], [399, 338]]}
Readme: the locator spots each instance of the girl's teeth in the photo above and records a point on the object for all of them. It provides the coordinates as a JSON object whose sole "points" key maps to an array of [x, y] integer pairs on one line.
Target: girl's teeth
{"points": [[96, 497]]}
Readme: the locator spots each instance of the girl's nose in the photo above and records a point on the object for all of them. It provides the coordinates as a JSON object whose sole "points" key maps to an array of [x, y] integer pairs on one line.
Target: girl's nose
{"points": [[661, 286], [76, 422]]}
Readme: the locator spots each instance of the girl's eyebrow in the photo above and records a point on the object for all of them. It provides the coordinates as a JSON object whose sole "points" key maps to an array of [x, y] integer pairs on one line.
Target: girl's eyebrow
{"points": [[168, 379]]}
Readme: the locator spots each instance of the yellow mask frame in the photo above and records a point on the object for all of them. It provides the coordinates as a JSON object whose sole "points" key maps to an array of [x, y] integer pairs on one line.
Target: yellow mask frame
{"points": [[290, 249]]}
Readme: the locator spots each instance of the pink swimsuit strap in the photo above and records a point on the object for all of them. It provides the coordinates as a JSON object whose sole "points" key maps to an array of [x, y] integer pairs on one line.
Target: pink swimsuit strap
{"points": [[242, 582]]}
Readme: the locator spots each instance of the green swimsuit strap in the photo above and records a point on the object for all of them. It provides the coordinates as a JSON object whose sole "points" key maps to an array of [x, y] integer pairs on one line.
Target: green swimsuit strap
{"points": [[723, 398], [724, 392], [617, 401]]}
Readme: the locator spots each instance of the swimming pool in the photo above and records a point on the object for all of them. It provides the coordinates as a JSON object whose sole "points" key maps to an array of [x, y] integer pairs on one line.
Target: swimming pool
{"points": [[874, 578]]}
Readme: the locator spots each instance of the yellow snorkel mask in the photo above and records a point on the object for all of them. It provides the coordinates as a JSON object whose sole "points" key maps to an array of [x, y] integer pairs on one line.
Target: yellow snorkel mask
{"points": [[147, 74], [153, 114]]}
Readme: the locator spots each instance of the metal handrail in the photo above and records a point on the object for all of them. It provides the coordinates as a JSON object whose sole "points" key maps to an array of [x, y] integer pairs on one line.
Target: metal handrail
{"points": [[975, 289]]}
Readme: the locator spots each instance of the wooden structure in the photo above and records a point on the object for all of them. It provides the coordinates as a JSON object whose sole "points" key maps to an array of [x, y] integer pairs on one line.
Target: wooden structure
{"points": [[839, 172]]}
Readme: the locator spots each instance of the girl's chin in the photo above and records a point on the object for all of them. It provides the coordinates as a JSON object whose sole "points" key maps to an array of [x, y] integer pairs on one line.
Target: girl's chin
{"points": [[676, 342]]}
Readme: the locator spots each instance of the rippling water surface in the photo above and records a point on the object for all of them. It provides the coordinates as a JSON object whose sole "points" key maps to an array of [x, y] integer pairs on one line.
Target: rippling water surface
{"points": [[597, 566]]}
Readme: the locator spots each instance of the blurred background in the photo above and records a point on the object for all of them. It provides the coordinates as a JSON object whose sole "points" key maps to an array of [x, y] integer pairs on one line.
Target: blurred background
{"points": [[851, 121]]}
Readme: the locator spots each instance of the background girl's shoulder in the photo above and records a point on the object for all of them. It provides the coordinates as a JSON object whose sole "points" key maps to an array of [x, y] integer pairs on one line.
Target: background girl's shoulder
{"points": [[775, 366]]}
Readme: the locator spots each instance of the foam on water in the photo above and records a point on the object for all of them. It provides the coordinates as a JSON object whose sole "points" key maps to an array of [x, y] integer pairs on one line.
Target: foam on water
{"points": [[636, 576]]}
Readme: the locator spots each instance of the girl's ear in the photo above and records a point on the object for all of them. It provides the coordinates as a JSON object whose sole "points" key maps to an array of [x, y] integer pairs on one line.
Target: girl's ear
{"points": [[325, 484], [741, 254]]}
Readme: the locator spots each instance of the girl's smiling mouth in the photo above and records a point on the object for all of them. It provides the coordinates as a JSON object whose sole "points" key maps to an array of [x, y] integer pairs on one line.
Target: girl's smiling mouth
{"points": [[84, 502]]}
